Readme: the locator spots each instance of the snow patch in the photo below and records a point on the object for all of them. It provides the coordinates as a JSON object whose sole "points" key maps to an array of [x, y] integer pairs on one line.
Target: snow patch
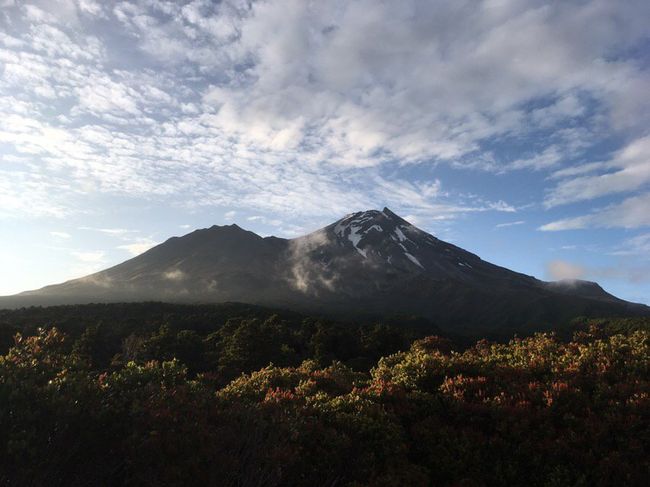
{"points": [[413, 259], [354, 236], [400, 234]]}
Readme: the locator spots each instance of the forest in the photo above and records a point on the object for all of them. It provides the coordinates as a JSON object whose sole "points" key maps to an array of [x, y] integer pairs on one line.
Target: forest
{"points": [[148, 394]]}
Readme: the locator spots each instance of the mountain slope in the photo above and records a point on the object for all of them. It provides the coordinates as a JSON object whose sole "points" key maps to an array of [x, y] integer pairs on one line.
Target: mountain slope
{"points": [[371, 262]]}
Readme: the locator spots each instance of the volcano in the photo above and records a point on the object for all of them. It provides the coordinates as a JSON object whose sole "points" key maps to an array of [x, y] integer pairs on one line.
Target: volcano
{"points": [[368, 263]]}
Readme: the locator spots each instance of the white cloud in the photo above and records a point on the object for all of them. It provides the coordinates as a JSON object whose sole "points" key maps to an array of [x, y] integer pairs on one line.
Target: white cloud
{"points": [[291, 107], [24, 193], [509, 224], [103, 95], [35, 14], [551, 156], [86, 262], [265, 220], [139, 246], [92, 7], [96, 256], [631, 171], [324, 79], [133, 245], [579, 170], [114, 232], [633, 212], [63, 235], [638, 246]]}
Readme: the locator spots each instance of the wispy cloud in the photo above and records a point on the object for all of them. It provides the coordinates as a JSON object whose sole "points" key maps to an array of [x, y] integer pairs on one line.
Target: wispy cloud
{"points": [[293, 107], [92, 257], [86, 262], [115, 232], [509, 224], [630, 213], [138, 246], [263, 219], [133, 243], [631, 171], [638, 246]]}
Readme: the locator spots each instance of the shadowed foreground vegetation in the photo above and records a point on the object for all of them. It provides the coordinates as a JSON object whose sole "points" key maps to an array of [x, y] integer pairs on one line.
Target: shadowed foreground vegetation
{"points": [[271, 400]]}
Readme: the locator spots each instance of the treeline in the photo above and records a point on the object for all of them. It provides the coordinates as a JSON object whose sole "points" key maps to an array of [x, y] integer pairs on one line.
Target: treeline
{"points": [[222, 341], [190, 398]]}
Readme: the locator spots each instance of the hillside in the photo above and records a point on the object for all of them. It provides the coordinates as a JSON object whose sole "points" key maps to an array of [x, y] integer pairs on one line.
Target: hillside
{"points": [[367, 263]]}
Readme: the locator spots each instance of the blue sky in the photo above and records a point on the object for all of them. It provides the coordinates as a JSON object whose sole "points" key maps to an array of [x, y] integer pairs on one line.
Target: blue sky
{"points": [[517, 129]]}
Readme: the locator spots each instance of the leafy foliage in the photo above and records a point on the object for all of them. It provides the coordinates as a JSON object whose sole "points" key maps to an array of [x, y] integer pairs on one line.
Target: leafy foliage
{"points": [[266, 401]]}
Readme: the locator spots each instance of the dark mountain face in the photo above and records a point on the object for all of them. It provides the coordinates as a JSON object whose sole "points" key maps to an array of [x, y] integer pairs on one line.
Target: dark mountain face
{"points": [[377, 249], [371, 262]]}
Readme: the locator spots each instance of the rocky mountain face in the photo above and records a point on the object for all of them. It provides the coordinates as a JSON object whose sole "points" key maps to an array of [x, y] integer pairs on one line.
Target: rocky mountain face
{"points": [[367, 263]]}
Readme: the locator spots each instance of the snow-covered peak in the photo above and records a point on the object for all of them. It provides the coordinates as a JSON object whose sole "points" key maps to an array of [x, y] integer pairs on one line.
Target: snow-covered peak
{"points": [[356, 226], [384, 235]]}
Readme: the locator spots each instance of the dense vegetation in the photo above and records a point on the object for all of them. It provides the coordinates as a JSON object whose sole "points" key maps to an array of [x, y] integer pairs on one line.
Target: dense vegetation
{"points": [[238, 396], [222, 340]]}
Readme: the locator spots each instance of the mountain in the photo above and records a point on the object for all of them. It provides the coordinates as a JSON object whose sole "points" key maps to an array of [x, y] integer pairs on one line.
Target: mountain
{"points": [[367, 263]]}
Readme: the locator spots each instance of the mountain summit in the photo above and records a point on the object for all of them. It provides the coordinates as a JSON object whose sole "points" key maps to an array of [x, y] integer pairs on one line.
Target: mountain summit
{"points": [[370, 262]]}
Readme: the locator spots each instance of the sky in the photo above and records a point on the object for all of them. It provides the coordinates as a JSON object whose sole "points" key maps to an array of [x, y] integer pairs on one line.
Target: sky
{"points": [[516, 129]]}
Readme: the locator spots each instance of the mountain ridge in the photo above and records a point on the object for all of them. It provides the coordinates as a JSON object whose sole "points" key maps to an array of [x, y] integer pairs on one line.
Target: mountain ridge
{"points": [[366, 262]]}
